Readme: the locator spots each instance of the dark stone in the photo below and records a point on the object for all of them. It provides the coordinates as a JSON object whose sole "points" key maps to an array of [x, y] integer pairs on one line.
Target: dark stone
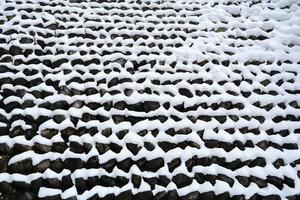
{"points": [[185, 92], [238, 197], [151, 105], [225, 178], [3, 163], [59, 118], [223, 196], [259, 161], [160, 196], [184, 131], [73, 164], [207, 196], [71, 198], [108, 181], [113, 82], [258, 181], [21, 148], [256, 197], [149, 146], [49, 133], [42, 166], [56, 197], [136, 180], [54, 183], [172, 195], [272, 197], [151, 181], [36, 184], [173, 164], [102, 148], [87, 147], [128, 92], [4, 149], [108, 197], [27, 196], [125, 164], [190, 196], [121, 181], [107, 132], [42, 148], [166, 146], [154, 165], [6, 187], [277, 182], [56, 165], [182, 180], [243, 180], [81, 184], [21, 185], [200, 178], [143, 195], [120, 105], [66, 182], [127, 195], [109, 165], [163, 180], [76, 147], [22, 167], [92, 162]]}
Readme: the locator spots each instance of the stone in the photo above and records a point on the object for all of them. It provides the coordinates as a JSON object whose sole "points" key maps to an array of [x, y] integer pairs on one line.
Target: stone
{"points": [[92, 162], [245, 181], [27, 196], [136, 180], [3, 163], [81, 184], [126, 195], [160, 195], [151, 105], [49, 133], [73, 164], [22, 167], [21, 148], [143, 195], [6, 187], [108, 181], [182, 180], [42, 148], [125, 164], [5, 149], [59, 147], [190, 196], [172, 195], [42, 166], [56, 165], [173, 164]]}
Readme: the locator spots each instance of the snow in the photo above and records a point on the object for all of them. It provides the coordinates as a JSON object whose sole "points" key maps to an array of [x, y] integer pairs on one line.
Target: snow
{"points": [[256, 38]]}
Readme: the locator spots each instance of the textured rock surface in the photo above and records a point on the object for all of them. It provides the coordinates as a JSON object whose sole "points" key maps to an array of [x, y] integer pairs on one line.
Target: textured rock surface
{"points": [[149, 99]]}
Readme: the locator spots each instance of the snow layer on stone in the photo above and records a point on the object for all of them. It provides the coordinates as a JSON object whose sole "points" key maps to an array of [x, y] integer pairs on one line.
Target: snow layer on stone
{"points": [[202, 93]]}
